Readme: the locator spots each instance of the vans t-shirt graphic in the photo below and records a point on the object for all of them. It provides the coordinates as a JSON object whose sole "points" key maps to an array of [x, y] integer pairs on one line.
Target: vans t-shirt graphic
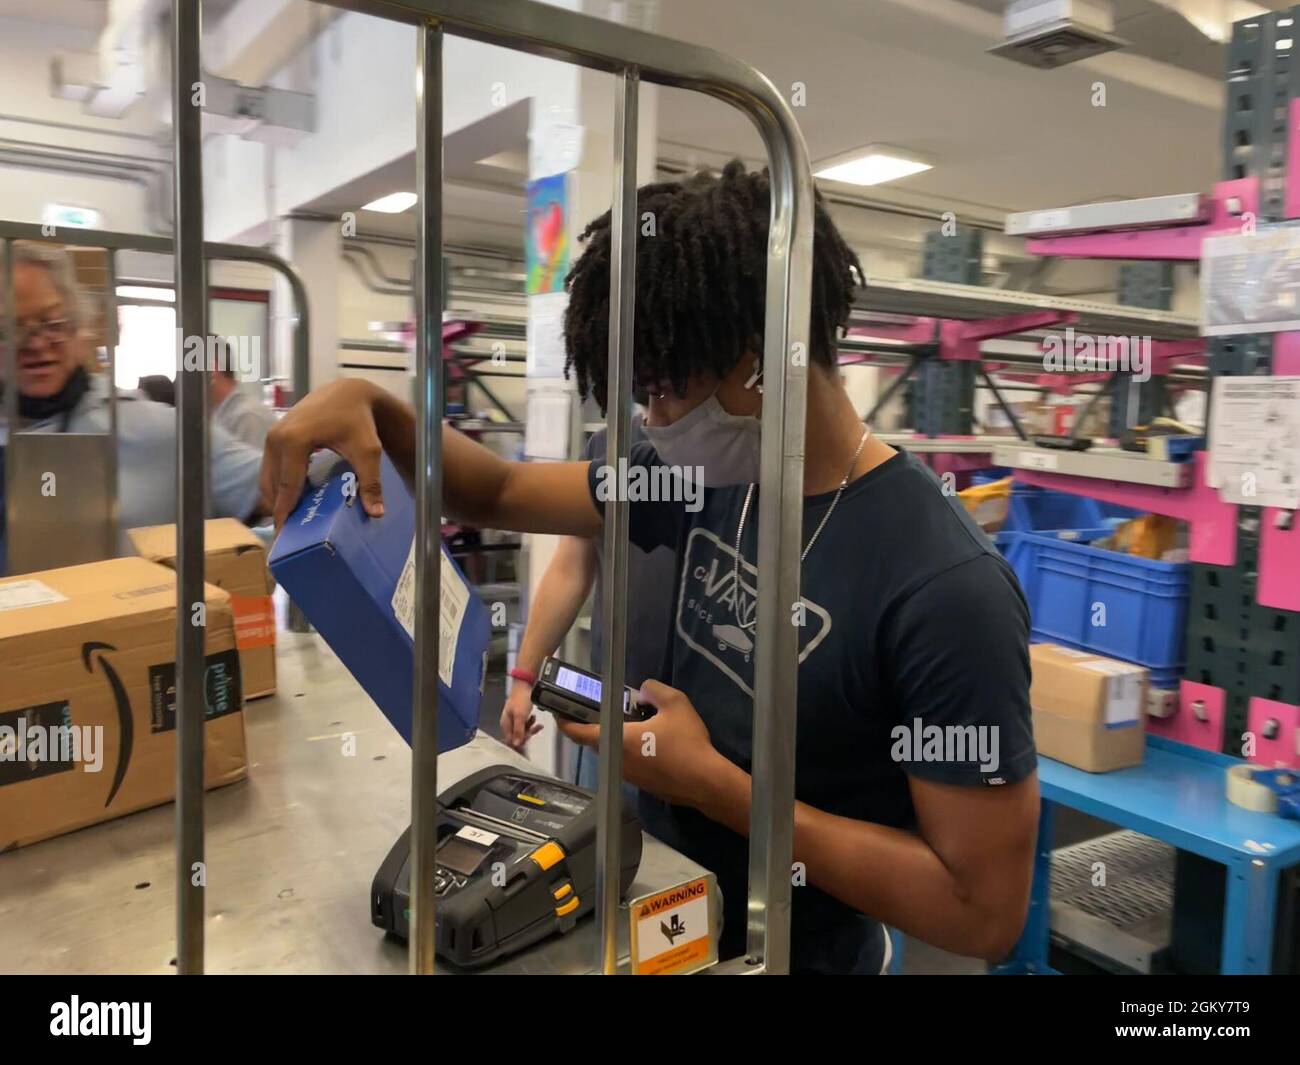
{"points": [[718, 619]]}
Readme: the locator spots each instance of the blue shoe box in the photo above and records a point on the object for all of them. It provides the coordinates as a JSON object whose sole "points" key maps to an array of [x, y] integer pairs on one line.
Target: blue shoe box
{"points": [[353, 576]]}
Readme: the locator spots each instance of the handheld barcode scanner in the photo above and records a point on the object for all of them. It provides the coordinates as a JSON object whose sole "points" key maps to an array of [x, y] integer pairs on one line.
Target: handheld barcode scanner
{"points": [[574, 693]]}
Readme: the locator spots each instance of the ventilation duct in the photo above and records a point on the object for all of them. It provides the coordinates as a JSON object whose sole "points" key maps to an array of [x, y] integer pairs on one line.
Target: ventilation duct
{"points": [[1051, 33]]}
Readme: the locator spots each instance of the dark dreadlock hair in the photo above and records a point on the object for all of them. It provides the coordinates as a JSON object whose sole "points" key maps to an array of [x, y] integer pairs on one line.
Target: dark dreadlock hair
{"points": [[700, 283]]}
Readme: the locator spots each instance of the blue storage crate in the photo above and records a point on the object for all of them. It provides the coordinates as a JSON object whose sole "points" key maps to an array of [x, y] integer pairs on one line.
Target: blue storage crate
{"points": [[1038, 509], [1145, 601], [990, 474], [1004, 539]]}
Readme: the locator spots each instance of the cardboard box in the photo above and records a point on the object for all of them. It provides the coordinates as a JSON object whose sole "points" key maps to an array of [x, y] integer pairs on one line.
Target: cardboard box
{"points": [[354, 578], [1088, 710], [88, 661], [235, 561]]}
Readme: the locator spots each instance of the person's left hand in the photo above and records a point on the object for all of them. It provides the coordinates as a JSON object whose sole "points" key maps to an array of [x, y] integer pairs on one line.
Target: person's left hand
{"points": [[670, 755]]}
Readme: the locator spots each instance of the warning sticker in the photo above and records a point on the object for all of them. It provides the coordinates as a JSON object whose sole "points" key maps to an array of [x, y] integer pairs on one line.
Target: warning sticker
{"points": [[672, 930], [453, 599]]}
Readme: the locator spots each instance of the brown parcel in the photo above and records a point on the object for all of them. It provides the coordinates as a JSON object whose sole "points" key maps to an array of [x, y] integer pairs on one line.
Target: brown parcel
{"points": [[94, 645], [1088, 710], [235, 560]]}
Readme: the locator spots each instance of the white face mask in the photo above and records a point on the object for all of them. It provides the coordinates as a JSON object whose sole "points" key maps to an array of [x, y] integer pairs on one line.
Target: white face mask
{"points": [[725, 446]]}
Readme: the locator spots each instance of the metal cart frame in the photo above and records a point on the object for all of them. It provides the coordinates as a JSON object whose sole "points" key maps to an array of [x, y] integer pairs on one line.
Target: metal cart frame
{"points": [[632, 56]]}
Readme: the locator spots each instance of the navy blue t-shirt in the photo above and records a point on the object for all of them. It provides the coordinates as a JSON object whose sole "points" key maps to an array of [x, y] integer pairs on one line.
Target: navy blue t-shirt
{"points": [[914, 631]]}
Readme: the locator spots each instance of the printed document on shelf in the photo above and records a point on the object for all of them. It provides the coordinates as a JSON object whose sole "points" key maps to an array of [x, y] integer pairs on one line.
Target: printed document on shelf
{"points": [[1255, 441]]}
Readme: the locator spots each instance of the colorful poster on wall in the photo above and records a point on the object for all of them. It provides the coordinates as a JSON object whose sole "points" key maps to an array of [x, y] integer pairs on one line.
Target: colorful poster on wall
{"points": [[548, 234]]}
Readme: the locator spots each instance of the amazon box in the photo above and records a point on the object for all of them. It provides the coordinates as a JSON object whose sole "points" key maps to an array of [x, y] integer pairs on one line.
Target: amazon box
{"points": [[88, 696], [235, 561], [353, 576], [1088, 710]]}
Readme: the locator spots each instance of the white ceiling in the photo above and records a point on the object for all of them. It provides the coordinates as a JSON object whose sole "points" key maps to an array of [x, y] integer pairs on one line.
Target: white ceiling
{"points": [[915, 74], [61, 12]]}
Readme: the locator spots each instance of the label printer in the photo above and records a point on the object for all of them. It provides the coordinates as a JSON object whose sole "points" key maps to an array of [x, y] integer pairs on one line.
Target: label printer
{"points": [[516, 861]]}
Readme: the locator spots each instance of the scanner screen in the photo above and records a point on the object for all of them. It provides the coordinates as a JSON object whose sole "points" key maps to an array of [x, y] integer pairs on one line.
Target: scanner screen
{"points": [[582, 685], [578, 683]]}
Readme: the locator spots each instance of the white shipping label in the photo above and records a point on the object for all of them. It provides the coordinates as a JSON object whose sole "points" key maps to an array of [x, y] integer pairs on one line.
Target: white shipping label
{"points": [[1123, 691], [455, 598], [453, 601], [15, 595]]}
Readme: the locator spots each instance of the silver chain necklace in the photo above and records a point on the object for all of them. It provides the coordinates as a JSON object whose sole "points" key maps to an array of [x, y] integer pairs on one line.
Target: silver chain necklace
{"points": [[744, 513]]}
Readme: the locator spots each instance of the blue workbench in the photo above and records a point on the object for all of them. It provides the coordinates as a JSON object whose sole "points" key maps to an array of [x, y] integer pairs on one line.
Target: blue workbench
{"points": [[1176, 795]]}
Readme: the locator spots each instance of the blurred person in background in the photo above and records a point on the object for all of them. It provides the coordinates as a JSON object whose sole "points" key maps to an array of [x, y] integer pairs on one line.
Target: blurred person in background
{"points": [[159, 388], [60, 390], [234, 411], [579, 562]]}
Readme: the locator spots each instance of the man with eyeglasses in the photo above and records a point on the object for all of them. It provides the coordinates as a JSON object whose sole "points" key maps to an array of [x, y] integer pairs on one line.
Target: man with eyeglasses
{"points": [[58, 392]]}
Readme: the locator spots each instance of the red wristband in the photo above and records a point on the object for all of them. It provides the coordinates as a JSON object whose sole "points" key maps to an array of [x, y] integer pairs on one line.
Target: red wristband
{"points": [[524, 675]]}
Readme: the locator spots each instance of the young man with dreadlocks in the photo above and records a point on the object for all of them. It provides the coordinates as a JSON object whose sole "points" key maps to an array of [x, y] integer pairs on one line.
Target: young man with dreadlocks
{"points": [[915, 766]]}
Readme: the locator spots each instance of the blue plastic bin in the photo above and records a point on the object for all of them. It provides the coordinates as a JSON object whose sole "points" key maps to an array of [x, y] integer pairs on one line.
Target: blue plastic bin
{"points": [[1034, 509], [1145, 601], [1004, 539]]}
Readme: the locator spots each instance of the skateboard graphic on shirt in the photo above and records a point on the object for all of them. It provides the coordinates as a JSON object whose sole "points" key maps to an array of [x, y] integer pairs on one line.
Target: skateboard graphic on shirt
{"points": [[718, 619]]}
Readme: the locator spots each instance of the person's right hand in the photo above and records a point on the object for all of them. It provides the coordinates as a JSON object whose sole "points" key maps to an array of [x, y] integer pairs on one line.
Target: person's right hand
{"points": [[339, 416], [518, 723]]}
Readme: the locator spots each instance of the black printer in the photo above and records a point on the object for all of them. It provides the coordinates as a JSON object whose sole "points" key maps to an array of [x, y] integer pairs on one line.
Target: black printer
{"points": [[516, 862]]}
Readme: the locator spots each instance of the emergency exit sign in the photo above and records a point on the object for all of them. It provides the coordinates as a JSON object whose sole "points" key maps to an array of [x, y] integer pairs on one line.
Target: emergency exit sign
{"points": [[70, 216]]}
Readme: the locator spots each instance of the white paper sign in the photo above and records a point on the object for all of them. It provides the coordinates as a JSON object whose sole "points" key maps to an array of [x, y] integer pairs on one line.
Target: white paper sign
{"points": [[546, 426], [1250, 283], [546, 335], [553, 148], [1255, 441]]}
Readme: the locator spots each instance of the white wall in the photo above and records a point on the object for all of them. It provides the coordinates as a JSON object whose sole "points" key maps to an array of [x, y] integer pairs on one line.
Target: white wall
{"points": [[361, 71], [29, 113]]}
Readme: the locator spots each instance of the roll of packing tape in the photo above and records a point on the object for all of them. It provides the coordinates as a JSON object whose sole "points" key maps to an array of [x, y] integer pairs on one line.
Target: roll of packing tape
{"points": [[1244, 792]]}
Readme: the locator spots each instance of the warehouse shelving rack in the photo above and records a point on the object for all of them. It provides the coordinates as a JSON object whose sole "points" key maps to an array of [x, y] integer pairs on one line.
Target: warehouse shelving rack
{"points": [[1242, 670]]}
